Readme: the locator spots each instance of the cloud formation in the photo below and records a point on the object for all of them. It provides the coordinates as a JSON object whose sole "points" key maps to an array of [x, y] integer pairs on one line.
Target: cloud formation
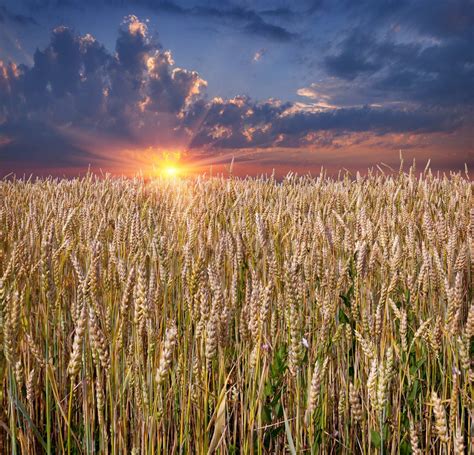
{"points": [[78, 98], [415, 50], [76, 84], [247, 19]]}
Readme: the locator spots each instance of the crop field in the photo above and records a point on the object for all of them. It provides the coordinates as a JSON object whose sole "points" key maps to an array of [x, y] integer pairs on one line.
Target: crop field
{"points": [[234, 316]]}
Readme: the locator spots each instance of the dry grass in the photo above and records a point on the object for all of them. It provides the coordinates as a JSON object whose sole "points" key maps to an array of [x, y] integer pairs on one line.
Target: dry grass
{"points": [[237, 316]]}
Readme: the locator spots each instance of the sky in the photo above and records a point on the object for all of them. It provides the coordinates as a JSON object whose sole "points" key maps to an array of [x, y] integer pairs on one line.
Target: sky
{"points": [[130, 87]]}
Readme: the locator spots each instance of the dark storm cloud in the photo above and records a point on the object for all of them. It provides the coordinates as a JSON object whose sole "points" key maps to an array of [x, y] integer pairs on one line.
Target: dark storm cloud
{"points": [[442, 74], [252, 21], [48, 147], [433, 69], [240, 123], [435, 17], [133, 46], [367, 118], [76, 85], [356, 56], [441, 18], [247, 20]]}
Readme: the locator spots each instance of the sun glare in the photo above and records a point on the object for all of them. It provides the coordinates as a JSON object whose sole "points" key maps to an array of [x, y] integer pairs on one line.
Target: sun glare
{"points": [[171, 171], [166, 164]]}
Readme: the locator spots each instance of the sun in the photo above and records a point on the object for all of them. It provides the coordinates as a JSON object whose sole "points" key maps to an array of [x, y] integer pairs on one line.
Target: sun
{"points": [[167, 164], [171, 171]]}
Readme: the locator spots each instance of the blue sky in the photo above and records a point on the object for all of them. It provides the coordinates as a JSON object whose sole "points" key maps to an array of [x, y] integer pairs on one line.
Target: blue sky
{"points": [[285, 85]]}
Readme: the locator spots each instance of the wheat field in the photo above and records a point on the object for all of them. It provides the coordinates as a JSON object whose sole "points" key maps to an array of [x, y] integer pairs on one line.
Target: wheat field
{"points": [[225, 315]]}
